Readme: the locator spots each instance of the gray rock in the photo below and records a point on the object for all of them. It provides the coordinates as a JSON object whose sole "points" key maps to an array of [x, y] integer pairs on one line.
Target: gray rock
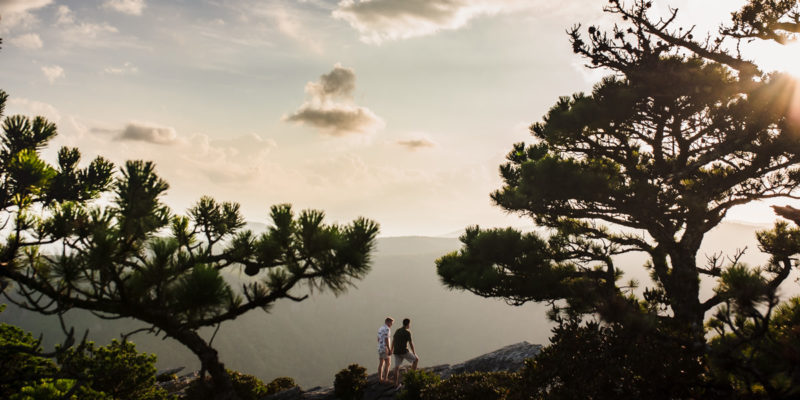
{"points": [[509, 358]]}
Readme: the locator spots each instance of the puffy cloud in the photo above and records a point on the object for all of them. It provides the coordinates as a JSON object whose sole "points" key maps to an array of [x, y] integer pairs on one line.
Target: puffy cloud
{"points": [[337, 119], [416, 144], [27, 41], [379, 20], [144, 132], [18, 13], [131, 7], [126, 69], [337, 84], [331, 109], [53, 73]]}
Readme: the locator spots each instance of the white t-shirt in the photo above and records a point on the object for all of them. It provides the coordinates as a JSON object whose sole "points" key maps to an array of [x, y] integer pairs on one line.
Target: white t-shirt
{"points": [[383, 335]]}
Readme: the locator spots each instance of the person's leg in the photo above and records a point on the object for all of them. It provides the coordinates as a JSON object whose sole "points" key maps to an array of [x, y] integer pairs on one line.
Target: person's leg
{"points": [[415, 362], [397, 362], [381, 368], [387, 364]]}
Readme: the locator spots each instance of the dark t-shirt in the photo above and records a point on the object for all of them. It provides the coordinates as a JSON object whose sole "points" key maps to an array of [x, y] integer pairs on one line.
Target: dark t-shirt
{"points": [[401, 338]]}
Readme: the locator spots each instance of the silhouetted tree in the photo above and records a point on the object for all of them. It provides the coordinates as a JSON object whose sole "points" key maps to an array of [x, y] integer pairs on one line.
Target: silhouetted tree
{"points": [[777, 20], [134, 258], [650, 161]]}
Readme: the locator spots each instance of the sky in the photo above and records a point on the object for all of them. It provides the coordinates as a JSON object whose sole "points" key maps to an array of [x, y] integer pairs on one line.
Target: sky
{"points": [[396, 110]]}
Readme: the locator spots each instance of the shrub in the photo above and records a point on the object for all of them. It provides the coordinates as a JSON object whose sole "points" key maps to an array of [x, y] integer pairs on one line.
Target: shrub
{"points": [[58, 389], [247, 387], [472, 386], [593, 361], [280, 384], [414, 381], [19, 364], [117, 370], [350, 382]]}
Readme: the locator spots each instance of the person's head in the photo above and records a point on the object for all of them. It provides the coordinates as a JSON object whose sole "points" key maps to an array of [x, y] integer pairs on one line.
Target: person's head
{"points": [[406, 322], [389, 321]]}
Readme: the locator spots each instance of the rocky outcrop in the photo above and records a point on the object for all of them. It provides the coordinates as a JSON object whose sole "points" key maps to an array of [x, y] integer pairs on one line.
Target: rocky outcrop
{"points": [[509, 358]]}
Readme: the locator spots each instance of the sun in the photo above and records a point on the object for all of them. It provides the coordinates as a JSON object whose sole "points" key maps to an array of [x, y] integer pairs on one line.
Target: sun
{"points": [[771, 56]]}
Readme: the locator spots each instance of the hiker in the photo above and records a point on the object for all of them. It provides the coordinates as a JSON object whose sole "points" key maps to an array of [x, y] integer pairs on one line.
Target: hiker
{"points": [[384, 350], [402, 338]]}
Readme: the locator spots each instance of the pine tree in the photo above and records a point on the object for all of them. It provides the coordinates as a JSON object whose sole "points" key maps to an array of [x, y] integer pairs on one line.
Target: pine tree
{"points": [[134, 258], [649, 162]]}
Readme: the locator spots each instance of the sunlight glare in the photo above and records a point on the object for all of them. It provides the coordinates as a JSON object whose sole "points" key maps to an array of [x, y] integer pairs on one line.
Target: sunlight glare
{"points": [[771, 56]]}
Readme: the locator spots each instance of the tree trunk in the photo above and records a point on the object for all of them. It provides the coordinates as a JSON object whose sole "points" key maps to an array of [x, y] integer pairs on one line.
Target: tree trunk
{"points": [[222, 385]]}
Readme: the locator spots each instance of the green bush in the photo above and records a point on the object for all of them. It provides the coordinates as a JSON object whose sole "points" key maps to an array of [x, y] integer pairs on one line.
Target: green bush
{"points": [[19, 364], [247, 387], [416, 380], [57, 389], [280, 384], [117, 370], [350, 382], [472, 386]]}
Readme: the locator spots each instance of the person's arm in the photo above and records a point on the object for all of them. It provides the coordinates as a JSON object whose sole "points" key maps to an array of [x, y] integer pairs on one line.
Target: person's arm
{"points": [[388, 348], [411, 343]]}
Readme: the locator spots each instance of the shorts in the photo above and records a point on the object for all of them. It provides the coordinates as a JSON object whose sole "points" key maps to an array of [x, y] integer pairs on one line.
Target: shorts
{"points": [[382, 354], [408, 356]]}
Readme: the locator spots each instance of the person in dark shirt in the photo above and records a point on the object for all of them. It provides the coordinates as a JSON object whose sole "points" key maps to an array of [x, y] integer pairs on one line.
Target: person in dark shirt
{"points": [[400, 343]]}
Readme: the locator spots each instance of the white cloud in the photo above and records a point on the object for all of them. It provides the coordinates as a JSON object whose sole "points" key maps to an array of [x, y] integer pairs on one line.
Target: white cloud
{"points": [[126, 69], [380, 20], [131, 7], [19, 13], [27, 41], [65, 16], [32, 108], [20, 6], [53, 73], [84, 34], [331, 109]]}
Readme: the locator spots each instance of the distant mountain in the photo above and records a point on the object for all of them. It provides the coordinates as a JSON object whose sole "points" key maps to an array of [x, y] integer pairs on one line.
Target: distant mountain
{"points": [[312, 340]]}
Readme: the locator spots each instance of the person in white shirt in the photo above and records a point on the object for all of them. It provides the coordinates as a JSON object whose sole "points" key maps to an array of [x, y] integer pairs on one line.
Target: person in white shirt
{"points": [[384, 351]]}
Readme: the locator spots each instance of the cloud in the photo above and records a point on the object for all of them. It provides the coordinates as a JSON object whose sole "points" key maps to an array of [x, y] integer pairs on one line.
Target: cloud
{"points": [[380, 20], [331, 109], [85, 34], [145, 132], [53, 73], [20, 6], [131, 7], [30, 108], [18, 13], [27, 41], [126, 69], [416, 144], [290, 25]]}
